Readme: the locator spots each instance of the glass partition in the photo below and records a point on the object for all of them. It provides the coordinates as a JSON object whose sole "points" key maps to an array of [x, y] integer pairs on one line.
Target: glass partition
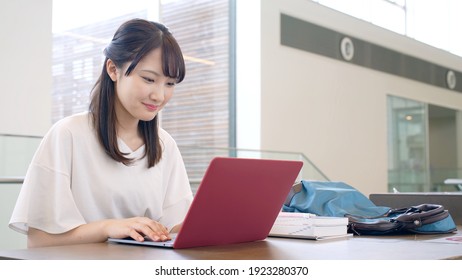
{"points": [[407, 145], [16, 153], [444, 147], [423, 146], [198, 158]]}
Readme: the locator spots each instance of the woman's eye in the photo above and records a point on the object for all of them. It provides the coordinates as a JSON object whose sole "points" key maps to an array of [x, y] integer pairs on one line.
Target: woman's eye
{"points": [[149, 80], [171, 84]]}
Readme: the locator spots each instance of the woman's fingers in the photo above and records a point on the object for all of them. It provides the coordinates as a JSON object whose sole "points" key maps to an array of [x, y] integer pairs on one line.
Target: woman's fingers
{"points": [[135, 235], [147, 227], [137, 228]]}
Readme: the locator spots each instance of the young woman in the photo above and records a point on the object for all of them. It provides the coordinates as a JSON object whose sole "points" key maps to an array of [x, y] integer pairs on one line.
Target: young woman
{"points": [[112, 171]]}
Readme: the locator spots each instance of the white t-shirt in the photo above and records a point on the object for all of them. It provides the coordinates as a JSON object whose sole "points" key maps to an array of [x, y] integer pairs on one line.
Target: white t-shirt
{"points": [[72, 181]]}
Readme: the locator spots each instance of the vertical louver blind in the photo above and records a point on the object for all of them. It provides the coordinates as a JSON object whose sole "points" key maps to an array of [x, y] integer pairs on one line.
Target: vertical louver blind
{"points": [[198, 114]]}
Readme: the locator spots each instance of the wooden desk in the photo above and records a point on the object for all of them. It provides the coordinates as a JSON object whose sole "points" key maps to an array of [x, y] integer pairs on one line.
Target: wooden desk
{"points": [[413, 247]]}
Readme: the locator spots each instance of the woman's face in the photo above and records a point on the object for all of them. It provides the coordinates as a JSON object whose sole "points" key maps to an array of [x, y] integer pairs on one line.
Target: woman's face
{"points": [[142, 94]]}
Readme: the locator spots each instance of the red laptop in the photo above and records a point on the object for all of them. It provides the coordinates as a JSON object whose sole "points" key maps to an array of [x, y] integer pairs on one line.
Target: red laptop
{"points": [[237, 201]]}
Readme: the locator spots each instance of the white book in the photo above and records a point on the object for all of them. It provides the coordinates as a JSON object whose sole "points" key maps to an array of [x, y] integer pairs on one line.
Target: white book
{"points": [[309, 226]]}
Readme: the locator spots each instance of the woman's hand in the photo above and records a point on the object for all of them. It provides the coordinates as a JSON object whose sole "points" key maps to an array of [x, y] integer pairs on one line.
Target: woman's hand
{"points": [[137, 228]]}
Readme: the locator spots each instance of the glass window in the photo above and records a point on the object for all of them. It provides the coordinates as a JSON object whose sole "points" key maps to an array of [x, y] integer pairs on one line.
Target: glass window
{"points": [[387, 14], [422, 146], [199, 113], [434, 22], [444, 153], [78, 43], [407, 145]]}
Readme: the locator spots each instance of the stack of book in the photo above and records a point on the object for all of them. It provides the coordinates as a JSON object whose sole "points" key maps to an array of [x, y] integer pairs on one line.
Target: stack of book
{"points": [[309, 226]]}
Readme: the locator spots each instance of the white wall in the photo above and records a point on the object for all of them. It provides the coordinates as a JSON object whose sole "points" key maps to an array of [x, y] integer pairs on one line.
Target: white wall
{"points": [[25, 97], [335, 112], [248, 74], [25, 75]]}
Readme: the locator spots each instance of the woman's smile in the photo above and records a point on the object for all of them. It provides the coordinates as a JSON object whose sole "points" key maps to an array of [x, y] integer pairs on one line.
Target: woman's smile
{"points": [[151, 107]]}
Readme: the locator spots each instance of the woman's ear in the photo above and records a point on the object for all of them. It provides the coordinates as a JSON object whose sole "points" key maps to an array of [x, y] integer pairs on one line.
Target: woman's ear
{"points": [[111, 70]]}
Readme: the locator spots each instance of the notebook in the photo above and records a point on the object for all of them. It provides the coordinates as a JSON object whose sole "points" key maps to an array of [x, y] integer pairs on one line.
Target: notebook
{"points": [[309, 226], [237, 201]]}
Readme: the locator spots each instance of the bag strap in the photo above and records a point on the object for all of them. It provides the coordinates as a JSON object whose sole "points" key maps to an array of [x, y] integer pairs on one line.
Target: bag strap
{"points": [[293, 191], [399, 219], [386, 214], [417, 216]]}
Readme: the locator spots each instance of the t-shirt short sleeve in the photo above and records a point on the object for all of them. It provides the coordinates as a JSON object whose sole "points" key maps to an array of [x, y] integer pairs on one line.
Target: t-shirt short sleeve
{"points": [[46, 201]]}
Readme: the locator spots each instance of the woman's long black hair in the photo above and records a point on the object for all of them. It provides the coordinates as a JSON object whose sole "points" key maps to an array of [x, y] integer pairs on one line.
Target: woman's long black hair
{"points": [[131, 43]]}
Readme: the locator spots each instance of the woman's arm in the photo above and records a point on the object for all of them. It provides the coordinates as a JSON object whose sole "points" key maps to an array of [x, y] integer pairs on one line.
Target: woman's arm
{"points": [[100, 231]]}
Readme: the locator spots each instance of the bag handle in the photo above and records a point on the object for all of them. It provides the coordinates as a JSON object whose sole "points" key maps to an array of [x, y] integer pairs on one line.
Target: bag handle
{"points": [[293, 191], [417, 216]]}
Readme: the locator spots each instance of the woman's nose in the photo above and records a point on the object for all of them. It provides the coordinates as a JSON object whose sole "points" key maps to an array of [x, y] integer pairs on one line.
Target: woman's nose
{"points": [[157, 93]]}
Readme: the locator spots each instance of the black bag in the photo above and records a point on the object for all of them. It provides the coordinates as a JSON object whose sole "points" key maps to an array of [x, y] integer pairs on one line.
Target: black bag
{"points": [[424, 218], [338, 199]]}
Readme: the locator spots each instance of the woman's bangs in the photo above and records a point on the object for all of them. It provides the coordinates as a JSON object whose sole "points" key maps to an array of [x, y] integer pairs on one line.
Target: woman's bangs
{"points": [[172, 62]]}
